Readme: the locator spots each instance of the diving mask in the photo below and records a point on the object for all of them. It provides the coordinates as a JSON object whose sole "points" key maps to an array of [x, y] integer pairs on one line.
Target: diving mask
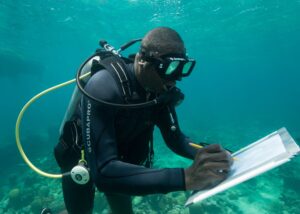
{"points": [[171, 66]]}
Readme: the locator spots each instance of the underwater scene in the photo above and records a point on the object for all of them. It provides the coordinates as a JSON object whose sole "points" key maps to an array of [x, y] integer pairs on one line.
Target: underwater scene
{"points": [[246, 84]]}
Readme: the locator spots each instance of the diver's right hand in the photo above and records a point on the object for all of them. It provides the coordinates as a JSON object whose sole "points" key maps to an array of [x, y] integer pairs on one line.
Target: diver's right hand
{"points": [[210, 167]]}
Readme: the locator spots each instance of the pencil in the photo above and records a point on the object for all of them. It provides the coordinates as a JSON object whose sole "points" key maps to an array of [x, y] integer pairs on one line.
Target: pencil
{"points": [[196, 146]]}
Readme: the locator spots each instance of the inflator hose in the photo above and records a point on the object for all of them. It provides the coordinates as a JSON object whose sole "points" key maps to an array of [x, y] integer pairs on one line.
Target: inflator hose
{"points": [[77, 79], [20, 116]]}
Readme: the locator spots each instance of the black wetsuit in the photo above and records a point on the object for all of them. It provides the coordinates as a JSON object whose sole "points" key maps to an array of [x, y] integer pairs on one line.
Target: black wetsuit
{"points": [[117, 145]]}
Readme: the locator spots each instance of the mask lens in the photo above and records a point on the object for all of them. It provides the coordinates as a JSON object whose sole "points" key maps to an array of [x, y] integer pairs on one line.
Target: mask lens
{"points": [[172, 67], [187, 68]]}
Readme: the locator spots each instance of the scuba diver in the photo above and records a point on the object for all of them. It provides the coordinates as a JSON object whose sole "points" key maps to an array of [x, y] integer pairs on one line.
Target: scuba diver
{"points": [[117, 140]]}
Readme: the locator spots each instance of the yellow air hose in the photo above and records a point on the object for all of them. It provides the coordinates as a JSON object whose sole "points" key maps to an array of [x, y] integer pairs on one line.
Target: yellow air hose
{"points": [[17, 131]]}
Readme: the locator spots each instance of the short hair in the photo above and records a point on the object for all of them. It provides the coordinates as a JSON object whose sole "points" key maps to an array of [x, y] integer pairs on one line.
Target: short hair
{"points": [[162, 40]]}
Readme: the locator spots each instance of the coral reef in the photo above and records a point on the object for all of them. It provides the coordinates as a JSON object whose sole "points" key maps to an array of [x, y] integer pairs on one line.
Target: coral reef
{"points": [[277, 191]]}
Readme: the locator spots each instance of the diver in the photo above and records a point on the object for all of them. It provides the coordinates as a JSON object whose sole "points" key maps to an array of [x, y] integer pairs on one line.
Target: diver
{"points": [[118, 142]]}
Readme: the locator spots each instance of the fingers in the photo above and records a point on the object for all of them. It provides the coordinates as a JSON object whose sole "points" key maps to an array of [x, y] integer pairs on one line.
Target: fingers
{"points": [[217, 166], [219, 154], [214, 177], [218, 172], [213, 148]]}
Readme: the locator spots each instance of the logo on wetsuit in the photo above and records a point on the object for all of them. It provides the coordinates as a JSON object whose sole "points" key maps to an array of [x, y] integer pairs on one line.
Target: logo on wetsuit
{"points": [[88, 126]]}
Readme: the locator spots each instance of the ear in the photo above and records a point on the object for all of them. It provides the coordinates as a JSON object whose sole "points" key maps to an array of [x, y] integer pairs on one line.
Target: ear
{"points": [[142, 62], [138, 59]]}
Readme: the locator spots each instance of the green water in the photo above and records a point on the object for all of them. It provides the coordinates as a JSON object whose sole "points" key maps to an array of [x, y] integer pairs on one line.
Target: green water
{"points": [[245, 85]]}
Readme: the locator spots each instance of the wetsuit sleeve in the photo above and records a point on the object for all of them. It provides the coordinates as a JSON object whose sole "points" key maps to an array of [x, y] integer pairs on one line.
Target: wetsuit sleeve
{"points": [[108, 172], [175, 140]]}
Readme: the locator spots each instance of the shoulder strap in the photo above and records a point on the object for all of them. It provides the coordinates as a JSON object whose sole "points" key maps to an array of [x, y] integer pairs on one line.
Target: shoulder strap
{"points": [[117, 67]]}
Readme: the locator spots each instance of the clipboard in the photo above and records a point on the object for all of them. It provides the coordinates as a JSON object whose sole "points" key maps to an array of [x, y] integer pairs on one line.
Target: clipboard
{"points": [[261, 156]]}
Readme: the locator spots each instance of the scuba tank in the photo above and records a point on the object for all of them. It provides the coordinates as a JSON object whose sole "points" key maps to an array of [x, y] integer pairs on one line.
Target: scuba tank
{"points": [[76, 95]]}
